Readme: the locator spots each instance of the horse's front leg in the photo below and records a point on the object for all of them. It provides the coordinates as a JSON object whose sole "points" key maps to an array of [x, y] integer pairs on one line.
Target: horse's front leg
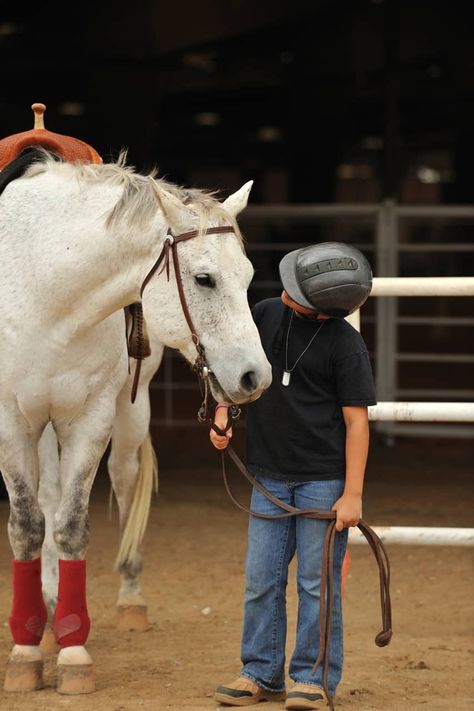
{"points": [[19, 466], [82, 445], [132, 468]]}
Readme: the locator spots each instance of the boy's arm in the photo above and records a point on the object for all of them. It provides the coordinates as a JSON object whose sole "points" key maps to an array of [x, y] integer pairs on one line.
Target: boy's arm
{"points": [[348, 507]]}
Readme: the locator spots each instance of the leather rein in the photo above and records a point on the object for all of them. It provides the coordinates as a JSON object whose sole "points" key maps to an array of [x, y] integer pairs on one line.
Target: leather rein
{"points": [[383, 638], [137, 339]]}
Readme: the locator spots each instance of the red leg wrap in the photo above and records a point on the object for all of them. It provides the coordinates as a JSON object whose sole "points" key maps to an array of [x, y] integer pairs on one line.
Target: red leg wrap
{"points": [[29, 615], [71, 622]]}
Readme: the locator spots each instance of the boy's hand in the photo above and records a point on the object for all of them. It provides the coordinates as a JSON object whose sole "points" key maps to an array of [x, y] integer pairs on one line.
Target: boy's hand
{"points": [[220, 442], [220, 419], [348, 509]]}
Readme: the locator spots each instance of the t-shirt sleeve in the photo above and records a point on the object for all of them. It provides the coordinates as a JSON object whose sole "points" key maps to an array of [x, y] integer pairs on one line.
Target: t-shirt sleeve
{"points": [[354, 379]]}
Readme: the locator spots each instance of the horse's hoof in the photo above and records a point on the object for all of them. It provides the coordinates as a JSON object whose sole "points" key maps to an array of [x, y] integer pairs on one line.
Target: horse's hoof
{"points": [[132, 618], [48, 643], [23, 675], [75, 679]]}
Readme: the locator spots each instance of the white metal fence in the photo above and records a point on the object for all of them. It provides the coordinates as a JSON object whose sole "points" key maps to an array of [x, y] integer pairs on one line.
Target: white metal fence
{"points": [[421, 411]]}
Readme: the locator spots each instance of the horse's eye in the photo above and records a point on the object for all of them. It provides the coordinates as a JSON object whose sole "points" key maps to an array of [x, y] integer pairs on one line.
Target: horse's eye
{"points": [[205, 280]]}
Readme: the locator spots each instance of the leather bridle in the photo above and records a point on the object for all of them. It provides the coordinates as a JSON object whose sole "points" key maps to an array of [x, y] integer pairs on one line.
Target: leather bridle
{"points": [[327, 586], [137, 338]]}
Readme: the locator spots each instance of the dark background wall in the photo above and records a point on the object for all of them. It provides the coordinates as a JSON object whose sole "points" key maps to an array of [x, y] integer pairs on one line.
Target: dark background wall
{"points": [[318, 101]]}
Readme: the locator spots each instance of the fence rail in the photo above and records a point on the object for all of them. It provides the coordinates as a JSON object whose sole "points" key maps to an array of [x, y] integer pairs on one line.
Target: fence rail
{"points": [[418, 535], [423, 286], [422, 412]]}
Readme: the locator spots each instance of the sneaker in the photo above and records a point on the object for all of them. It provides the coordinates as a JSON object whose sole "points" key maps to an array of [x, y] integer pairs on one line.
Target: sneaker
{"points": [[306, 696], [244, 692]]}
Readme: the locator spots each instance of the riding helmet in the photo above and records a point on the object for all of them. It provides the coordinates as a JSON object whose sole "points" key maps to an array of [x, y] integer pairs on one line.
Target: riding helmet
{"points": [[332, 278]]}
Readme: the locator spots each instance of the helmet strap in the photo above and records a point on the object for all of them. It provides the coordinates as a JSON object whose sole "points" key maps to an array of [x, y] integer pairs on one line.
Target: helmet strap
{"points": [[288, 301]]}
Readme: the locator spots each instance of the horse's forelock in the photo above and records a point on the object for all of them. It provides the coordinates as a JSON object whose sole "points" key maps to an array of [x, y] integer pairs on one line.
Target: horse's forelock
{"points": [[205, 204]]}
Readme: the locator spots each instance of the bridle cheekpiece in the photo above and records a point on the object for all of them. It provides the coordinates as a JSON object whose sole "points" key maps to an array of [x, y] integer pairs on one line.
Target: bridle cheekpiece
{"points": [[137, 337]]}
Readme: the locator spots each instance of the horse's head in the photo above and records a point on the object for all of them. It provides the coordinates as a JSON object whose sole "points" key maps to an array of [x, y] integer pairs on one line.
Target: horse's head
{"points": [[215, 274]]}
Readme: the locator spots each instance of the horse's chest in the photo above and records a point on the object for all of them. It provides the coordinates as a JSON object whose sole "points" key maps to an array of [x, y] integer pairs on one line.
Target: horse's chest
{"points": [[62, 396], [65, 393]]}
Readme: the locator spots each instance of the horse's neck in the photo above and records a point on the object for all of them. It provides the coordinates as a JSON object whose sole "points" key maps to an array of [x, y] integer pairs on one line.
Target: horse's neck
{"points": [[83, 272]]}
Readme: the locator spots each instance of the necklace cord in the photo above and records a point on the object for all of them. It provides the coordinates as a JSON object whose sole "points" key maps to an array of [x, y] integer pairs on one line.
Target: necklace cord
{"points": [[290, 370]]}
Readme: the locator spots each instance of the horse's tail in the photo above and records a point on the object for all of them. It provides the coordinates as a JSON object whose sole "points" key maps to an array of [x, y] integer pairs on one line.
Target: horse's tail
{"points": [[147, 481]]}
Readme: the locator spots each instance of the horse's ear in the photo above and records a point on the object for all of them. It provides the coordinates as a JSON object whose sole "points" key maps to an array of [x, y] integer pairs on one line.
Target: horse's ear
{"points": [[237, 202], [174, 210]]}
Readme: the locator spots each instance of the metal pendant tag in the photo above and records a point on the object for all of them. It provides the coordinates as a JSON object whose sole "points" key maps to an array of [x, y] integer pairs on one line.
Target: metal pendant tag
{"points": [[286, 378]]}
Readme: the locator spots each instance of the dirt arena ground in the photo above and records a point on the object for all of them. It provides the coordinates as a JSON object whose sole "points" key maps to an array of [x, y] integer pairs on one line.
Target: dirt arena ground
{"points": [[194, 561]]}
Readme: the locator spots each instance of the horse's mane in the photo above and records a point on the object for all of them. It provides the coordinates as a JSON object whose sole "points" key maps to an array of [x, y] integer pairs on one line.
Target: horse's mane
{"points": [[140, 193]]}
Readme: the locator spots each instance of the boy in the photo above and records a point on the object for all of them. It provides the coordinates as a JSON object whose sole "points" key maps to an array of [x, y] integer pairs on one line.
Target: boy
{"points": [[307, 443]]}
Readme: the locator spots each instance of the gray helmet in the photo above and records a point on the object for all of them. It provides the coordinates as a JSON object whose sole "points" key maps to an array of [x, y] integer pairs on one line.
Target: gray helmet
{"points": [[332, 278]]}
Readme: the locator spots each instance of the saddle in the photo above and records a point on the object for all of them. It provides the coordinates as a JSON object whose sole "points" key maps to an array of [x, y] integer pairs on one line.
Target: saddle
{"points": [[20, 150], [66, 147]]}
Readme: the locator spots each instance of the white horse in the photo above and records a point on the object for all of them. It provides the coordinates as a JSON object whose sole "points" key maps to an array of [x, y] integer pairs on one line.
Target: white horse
{"points": [[132, 463], [76, 244]]}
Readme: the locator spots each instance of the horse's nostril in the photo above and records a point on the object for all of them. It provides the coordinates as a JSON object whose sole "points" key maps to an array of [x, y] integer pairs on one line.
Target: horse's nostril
{"points": [[249, 381]]}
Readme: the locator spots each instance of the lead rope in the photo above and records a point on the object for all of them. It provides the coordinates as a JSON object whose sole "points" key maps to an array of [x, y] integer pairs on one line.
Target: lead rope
{"points": [[383, 638]]}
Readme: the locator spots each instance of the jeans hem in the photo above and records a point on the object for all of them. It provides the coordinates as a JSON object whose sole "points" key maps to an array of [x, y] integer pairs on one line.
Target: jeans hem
{"points": [[312, 683], [260, 683]]}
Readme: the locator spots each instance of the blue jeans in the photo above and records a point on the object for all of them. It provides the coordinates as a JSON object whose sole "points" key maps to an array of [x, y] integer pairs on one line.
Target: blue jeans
{"points": [[271, 546]]}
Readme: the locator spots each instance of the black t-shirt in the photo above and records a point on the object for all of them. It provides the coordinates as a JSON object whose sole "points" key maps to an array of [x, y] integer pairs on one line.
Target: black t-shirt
{"points": [[297, 432]]}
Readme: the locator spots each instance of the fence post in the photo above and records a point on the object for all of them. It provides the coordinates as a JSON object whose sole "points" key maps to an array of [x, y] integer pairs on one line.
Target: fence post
{"points": [[386, 333]]}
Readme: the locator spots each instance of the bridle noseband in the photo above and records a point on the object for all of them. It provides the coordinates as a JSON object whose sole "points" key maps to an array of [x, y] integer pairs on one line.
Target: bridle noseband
{"points": [[137, 339]]}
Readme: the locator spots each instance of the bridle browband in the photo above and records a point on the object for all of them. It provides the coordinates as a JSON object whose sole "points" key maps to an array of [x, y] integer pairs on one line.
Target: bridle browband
{"points": [[137, 339]]}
